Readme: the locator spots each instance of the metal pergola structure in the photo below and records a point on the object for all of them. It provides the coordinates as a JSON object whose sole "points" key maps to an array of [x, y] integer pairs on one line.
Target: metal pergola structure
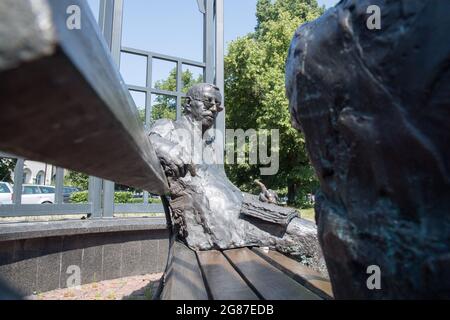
{"points": [[101, 192]]}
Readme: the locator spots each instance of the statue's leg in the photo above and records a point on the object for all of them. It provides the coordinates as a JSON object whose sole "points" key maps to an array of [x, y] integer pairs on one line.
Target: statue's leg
{"points": [[301, 241], [298, 239], [190, 224]]}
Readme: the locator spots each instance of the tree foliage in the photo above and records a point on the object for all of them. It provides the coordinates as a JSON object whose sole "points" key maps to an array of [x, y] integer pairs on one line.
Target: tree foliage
{"points": [[165, 107], [7, 166], [255, 95], [76, 179]]}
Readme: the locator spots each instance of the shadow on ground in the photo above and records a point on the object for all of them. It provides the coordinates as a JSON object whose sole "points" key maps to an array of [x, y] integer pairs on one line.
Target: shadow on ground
{"points": [[144, 293]]}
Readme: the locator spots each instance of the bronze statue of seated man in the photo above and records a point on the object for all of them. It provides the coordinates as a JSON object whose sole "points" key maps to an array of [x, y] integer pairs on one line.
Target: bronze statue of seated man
{"points": [[210, 212]]}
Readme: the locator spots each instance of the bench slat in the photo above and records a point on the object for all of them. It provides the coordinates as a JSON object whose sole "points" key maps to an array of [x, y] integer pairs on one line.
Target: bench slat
{"points": [[223, 281], [268, 281], [184, 280], [302, 274]]}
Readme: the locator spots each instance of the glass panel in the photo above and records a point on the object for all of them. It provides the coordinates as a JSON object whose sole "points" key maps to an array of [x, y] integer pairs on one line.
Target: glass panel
{"points": [[70, 189], [164, 107], [26, 176], [40, 178], [172, 27], [133, 68], [139, 98], [164, 75], [31, 190], [4, 188], [47, 189], [191, 75]]}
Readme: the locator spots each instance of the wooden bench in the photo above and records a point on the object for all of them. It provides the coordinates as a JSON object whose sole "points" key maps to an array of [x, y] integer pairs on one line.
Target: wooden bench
{"points": [[240, 274]]}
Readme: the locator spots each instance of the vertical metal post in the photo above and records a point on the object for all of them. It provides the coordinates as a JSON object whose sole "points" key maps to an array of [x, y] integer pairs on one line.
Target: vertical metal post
{"points": [[111, 14], [45, 175], [18, 178], [59, 183], [148, 100], [108, 199], [110, 20], [105, 20], [116, 41], [208, 41], [145, 197], [179, 87], [95, 195], [220, 82]]}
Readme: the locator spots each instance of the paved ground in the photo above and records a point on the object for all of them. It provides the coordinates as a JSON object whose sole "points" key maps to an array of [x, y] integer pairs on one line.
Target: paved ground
{"points": [[130, 288]]}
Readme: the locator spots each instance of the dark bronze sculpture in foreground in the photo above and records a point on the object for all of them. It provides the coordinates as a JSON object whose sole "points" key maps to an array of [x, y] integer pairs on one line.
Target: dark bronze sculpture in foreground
{"points": [[374, 106], [208, 210]]}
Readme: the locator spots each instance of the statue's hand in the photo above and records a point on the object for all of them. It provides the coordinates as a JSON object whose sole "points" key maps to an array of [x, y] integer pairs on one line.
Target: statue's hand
{"points": [[175, 159], [175, 164]]}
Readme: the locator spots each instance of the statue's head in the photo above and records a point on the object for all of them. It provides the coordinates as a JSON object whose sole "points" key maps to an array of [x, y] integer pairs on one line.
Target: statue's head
{"points": [[203, 103]]}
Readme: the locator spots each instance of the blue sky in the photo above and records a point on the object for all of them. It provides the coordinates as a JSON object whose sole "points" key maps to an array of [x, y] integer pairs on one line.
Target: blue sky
{"points": [[174, 27], [326, 3], [149, 24]]}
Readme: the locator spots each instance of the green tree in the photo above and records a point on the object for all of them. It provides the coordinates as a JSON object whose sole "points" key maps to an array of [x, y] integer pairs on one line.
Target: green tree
{"points": [[165, 106], [7, 166], [255, 95], [77, 179]]}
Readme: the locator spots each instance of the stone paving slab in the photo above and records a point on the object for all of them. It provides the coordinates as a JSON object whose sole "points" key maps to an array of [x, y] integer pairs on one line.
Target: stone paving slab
{"points": [[130, 288]]}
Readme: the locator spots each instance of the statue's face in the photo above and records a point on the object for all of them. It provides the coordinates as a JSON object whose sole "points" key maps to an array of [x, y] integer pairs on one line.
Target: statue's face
{"points": [[206, 106]]}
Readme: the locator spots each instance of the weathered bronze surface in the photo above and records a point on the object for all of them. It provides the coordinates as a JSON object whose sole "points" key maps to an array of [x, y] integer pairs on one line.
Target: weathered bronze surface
{"points": [[374, 106], [208, 210], [267, 195]]}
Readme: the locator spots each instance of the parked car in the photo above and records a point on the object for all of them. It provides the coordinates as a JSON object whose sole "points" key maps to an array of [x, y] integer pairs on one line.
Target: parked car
{"points": [[37, 194], [138, 195], [67, 191], [6, 193]]}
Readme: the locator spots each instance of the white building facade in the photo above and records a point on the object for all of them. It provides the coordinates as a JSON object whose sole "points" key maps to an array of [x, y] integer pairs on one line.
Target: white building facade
{"points": [[38, 173]]}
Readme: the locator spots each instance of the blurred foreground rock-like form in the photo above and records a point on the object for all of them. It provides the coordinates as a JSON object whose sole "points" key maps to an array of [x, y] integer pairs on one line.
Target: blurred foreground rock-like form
{"points": [[374, 106]]}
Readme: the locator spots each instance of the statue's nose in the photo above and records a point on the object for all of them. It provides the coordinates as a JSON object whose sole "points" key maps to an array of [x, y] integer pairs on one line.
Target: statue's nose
{"points": [[216, 107], [213, 108]]}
